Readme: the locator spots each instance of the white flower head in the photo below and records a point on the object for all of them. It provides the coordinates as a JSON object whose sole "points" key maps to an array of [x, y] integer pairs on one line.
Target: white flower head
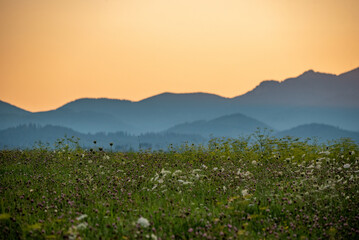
{"points": [[82, 226], [254, 162], [245, 192], [83, 216], [143, 222], [347, 165]]}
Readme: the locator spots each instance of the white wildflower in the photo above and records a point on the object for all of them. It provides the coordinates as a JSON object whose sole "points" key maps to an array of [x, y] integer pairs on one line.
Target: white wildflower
{"points": [[82, 226], [156, 177], [106, 157], [90, 161], [254, 162], [184, 182], [215, 169], [224, 188], [143, 222], [347, 165], [165, 172], [83, 216], [245, 193], [204, 166], [175, 173]]}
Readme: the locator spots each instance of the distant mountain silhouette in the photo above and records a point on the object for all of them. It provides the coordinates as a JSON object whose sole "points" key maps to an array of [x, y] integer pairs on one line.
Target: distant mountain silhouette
{"points": [[311, 97], [226, 126], [159, 112], [31, 135], [6, 108], [321, 131], [312, 89]]}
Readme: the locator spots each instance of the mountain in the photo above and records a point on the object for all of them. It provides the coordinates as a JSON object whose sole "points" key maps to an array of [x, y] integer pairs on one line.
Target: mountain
{"points": [[31, 135], [311, 89], [310, 97], [321, 131], [6, 108], [156, 113], [226, 126]]}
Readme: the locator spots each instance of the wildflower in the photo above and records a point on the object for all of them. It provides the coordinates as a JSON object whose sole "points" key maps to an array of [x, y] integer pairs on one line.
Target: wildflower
{"points": [[215, 169], [184, 182], [163, 171], [245, 192], [153, 236], [254, 162], [82, 226], [90, 161], [83, 216], [143, 222], [175, 173], [347, 165]]}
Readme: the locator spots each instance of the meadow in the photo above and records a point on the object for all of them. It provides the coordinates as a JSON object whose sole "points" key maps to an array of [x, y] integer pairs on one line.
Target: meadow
{"points": [[258, 187]]}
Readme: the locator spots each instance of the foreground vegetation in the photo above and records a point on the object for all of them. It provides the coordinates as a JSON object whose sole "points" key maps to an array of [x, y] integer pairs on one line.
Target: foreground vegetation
{"points": [[258, 188]]}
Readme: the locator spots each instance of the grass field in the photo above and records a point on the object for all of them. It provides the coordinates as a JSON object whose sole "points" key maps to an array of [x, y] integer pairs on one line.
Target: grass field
{"points": [[263, 188]]}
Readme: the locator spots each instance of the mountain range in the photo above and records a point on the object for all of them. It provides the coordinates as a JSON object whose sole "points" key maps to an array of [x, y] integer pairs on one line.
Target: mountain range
{"points": [[29, 136], [311, 97]]}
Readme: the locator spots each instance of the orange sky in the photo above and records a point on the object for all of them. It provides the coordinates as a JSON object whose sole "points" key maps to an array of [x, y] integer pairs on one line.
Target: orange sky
{"points": [[52, 52]]}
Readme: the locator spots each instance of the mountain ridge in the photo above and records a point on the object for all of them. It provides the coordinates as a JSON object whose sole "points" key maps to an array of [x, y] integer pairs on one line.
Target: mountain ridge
{"points": [[310, 97]]}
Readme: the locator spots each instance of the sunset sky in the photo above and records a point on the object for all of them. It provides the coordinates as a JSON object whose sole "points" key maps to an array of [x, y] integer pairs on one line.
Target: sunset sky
{"points": [[53, 52]]}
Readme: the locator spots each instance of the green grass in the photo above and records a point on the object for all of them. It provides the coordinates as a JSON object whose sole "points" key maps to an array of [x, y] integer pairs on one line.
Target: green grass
{"points": [[231, 189]]}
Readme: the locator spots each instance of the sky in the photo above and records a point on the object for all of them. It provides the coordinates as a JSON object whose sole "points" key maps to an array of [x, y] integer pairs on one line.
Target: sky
{"points": [[53, 52]]}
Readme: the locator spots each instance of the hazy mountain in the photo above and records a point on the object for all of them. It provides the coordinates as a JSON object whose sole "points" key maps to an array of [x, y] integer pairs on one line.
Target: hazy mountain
{"points": [[311, 89], [28, 136], [311, 97], [159, 112], [6, 108], [225, 126], [321, 131]]}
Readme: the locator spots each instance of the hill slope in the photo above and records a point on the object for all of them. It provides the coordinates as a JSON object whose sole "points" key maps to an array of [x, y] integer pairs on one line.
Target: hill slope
{"points": [[225, 126], [321, 131]]}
